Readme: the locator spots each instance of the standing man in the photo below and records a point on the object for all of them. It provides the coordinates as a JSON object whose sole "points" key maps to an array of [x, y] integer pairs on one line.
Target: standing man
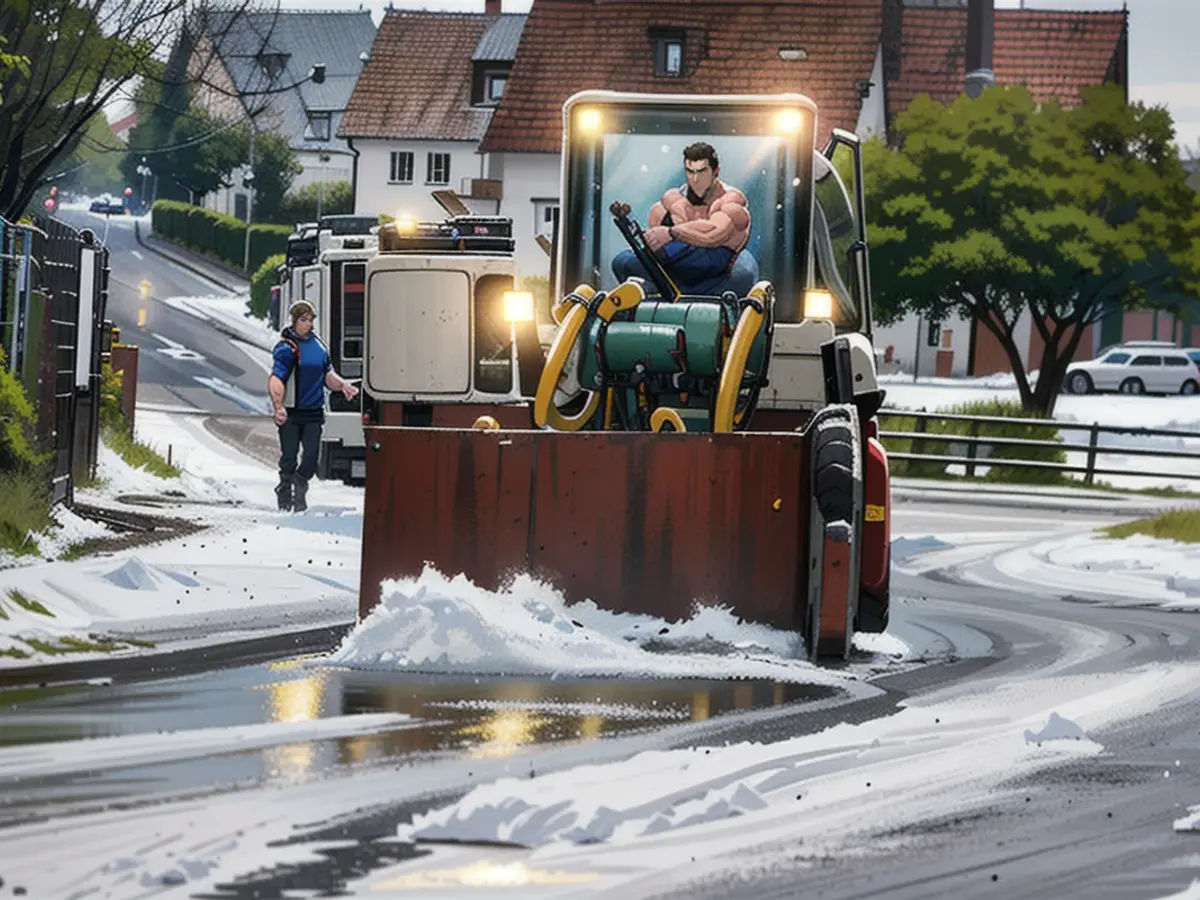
{"points": [[697, 230], [297, 385]]}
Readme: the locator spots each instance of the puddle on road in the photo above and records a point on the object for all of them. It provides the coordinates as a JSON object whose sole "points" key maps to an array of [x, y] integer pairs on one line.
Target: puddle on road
{"points": [[490, 717]]}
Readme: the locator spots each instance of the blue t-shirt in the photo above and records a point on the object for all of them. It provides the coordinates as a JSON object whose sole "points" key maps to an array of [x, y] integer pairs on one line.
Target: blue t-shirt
{"points": [[310, 376]]}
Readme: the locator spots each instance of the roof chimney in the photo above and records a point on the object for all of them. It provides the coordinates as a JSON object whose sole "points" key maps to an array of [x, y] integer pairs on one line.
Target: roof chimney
{"points": [[981, 37], [491, 7]]}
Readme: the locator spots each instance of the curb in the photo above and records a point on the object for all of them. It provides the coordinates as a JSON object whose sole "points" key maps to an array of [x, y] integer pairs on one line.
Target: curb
{"points": [[182, 263], [165, 661], [1020, 501]]}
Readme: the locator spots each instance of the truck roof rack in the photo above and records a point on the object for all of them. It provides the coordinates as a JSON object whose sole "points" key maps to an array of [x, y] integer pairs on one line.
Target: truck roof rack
{"points": [[458, 234]]}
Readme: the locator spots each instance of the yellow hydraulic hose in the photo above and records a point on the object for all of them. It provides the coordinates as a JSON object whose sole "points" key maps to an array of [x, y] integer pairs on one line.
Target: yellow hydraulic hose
{"points": [[544, 411], [664, 415], [748, 327]]}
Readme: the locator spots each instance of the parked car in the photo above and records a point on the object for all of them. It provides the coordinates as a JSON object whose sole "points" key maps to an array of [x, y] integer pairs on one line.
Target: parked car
{"points": [[108, 207], [1136, 367], [1193, 354]]}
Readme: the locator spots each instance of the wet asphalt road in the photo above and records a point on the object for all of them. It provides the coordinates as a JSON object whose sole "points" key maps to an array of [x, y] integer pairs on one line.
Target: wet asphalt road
{"points": [[182, 360]]}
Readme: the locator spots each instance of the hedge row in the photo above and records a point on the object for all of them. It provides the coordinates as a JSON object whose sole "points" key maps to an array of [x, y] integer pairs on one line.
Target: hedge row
{"points": [[216, 234], [941, 441]]}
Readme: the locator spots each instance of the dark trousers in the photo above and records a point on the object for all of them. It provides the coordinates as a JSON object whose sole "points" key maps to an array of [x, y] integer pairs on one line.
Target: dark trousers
{"points": [[302, 429]]}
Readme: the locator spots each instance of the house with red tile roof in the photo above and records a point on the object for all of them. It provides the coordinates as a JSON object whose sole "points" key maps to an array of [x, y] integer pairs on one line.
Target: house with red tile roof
{"points": [[861, 61], [421, 106]]}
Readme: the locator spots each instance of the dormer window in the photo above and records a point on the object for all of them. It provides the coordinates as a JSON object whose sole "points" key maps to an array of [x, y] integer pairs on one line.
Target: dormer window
{"points": [[319, 126], [488, 81], [668, 52], [273, 64]]}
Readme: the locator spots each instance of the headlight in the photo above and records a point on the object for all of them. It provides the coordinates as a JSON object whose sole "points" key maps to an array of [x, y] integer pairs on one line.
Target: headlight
{"points": [[818, 304], [518, 306], [788, 121]]}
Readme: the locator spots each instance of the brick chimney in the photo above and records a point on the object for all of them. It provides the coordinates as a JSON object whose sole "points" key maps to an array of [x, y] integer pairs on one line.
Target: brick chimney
{"points": [[491, 7], [981, 38]]}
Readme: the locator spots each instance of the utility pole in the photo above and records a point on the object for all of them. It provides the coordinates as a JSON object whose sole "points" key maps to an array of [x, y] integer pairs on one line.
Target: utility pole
{"points": [[248, 182]]}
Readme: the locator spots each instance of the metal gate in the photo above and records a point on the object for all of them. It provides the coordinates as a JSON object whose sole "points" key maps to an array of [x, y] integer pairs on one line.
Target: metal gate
{"points": [[53, 300]]}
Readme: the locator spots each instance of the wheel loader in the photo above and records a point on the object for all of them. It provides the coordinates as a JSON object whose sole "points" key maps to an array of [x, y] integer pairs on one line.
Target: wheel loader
{"points": [[631, 443]]}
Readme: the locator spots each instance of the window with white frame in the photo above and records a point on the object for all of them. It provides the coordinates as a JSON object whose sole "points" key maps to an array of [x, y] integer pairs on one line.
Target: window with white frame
{"points": [[543, 217], [438, 168], [402, 167]]}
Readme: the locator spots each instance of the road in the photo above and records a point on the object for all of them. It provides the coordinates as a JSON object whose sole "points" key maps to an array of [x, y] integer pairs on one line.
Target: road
{"points": [[182, 361], [1089, 827]]}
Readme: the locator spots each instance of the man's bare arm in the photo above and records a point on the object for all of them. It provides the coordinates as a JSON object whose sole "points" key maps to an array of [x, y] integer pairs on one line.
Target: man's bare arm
{"points": [[275, 388], [714, 231]]}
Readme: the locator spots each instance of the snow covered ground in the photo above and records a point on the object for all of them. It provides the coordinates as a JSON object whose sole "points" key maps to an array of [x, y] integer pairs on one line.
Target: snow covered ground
{"points": [[251, 569]]}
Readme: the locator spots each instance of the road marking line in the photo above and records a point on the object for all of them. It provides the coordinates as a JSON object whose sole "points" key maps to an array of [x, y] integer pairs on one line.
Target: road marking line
{"points": [[176, 350], [137, 253]]}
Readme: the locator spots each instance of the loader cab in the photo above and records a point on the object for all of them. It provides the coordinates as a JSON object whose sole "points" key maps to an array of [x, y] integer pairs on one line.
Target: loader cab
{"points": [[807, 234]]}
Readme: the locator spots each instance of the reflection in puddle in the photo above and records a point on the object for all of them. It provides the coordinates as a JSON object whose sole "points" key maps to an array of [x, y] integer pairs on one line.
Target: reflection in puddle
{"points": [[296, 701], [484, 875], [475, 717]]}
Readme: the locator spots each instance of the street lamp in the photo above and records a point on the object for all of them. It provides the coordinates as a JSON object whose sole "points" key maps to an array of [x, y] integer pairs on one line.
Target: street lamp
{"points": [[145, 171], [317, 76]]}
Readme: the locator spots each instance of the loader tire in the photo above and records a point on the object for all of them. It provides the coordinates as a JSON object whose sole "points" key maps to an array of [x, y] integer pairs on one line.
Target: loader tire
{"points": [[872, 614], [833, 459]]}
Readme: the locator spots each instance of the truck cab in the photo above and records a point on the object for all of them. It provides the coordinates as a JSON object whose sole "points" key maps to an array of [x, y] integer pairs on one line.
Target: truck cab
{"points": [[326, 265]]}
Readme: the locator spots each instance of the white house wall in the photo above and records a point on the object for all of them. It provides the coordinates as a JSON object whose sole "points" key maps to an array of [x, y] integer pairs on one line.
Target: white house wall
{"points": [[339, 168], [375, 193], [529, 179], [902, 339], [872, 118]]}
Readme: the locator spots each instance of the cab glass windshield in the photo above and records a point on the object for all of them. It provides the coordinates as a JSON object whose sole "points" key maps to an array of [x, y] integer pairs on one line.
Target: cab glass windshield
{"points": [[634, 154]]}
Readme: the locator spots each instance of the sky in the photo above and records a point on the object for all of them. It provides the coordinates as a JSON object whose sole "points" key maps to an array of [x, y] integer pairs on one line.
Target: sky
{"points": [[1164, 66]]}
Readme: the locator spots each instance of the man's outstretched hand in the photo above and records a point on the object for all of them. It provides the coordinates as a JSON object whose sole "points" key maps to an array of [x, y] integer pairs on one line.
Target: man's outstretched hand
{"points": [[349, 392]]}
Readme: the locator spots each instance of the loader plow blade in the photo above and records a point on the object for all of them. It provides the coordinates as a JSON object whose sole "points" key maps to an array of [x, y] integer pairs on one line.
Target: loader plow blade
{"points": [[636, 522]]}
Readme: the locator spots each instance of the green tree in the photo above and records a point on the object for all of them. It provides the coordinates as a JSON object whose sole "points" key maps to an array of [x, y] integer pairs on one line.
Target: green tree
{"points": [[64, 61], [91, 168], [997, 206], [275, 169], [204, 152], [11, 63]]}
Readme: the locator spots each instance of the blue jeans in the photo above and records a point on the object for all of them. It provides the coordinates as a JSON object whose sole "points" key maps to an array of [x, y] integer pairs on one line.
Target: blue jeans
{"points": [[696, 270], [302, 429]]}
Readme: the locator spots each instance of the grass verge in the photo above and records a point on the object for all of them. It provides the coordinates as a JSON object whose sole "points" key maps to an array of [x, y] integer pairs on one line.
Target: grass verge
{"points": [[942, 436], [28, 603], [137, 455], [69, 644], [24, 510], [1176, 525]]}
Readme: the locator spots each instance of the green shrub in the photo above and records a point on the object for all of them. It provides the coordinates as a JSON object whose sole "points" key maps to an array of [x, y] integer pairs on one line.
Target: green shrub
{"points": [[17, 424], [942, 433], [24, 509], [337, 198], [266, 241], [260, 285], [221, 236]]}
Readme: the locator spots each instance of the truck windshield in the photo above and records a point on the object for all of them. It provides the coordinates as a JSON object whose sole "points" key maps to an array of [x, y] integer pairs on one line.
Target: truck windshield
{"points": [[634, 154]]}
